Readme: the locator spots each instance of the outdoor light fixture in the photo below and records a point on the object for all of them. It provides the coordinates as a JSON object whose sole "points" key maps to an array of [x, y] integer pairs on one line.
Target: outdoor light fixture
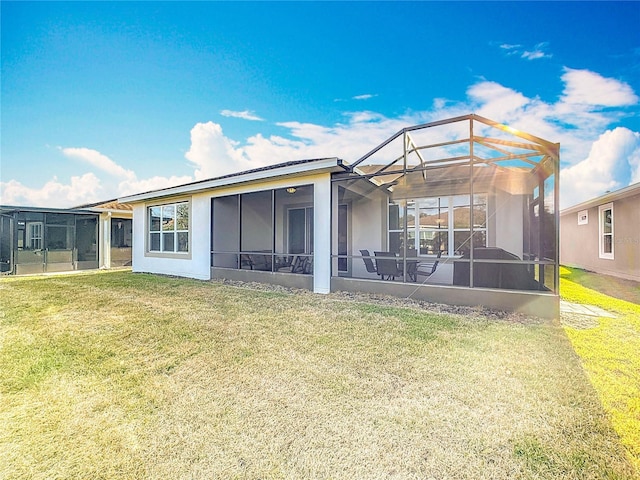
{"points": [[291, 190]]}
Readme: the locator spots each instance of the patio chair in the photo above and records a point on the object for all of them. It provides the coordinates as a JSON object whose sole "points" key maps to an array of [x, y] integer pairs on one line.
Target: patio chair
{"points": [[428, 269], [245, 261], [387, 267], [412, 264], [307, 267], [366, 258], [297, 264]]}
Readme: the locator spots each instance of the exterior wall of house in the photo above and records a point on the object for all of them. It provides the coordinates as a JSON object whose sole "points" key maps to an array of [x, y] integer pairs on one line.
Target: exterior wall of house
{"points": [[196, 264], [505, 219], [579, 244], [367, 216]]}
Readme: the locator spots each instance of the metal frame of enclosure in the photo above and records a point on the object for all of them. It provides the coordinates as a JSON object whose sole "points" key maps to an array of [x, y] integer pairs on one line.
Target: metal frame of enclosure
{"points": [[38, 240], [478, 196]]}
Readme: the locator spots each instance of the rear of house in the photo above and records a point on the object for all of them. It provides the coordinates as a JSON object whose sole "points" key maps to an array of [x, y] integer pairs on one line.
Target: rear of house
{"points": [[460, 211], [603, 234]]}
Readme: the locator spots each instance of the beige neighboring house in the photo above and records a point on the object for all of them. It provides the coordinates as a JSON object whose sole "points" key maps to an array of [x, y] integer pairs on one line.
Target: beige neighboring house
{"points": [[603, 234]]}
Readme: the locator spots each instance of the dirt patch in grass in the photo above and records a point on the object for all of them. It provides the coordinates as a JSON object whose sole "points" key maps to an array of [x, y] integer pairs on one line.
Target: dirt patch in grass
{"points": [[123, 375], [578, 321]]}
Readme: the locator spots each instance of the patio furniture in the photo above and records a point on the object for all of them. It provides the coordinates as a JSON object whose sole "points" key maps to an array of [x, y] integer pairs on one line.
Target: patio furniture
{"points": [[427, 269], [412, 264], [514, 276], [256, 261], [307, 267], [368, 263], [387, 265]]}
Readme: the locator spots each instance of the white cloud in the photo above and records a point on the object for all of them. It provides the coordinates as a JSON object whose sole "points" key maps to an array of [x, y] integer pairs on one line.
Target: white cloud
{"points": [[244, 114], [634, 160], [612, 156], [98, 160], [537, 52], [595, 161], [583, 87], [575, 125], [509, 46], [130, 187], [87, 188], [534, 55], [496, 101], [213, 154], [81, 189], [365, 96]]}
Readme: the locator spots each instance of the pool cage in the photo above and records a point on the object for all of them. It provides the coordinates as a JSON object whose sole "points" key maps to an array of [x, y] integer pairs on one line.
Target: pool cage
{"points": [[464, 201]]}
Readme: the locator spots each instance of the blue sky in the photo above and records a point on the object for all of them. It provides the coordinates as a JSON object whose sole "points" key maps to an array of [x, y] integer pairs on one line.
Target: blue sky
{"points": [[101, 100]]}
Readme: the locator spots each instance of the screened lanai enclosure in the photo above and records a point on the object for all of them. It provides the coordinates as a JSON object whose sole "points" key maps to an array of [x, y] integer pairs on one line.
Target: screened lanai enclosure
{"points": [[463, 202], [264, 231], [37, 240]]}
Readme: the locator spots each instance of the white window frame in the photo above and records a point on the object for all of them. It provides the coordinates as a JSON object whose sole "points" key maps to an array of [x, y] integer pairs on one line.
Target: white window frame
{"points": [[162, 232], [419, 203], [602, 209], [34, 235]]}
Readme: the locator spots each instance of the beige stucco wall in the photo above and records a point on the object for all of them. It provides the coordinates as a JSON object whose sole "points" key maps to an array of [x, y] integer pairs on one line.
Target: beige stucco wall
{"points": [[579, 243]]}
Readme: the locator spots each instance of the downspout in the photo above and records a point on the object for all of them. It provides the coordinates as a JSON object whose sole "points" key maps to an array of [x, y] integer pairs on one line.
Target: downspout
{"points": [[471, 163], [405, 225]]}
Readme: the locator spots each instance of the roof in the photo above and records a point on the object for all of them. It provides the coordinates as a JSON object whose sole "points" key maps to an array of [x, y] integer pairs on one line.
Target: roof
{"points": [[625, 192], [112, 204], [15, 209], [293, 168]]}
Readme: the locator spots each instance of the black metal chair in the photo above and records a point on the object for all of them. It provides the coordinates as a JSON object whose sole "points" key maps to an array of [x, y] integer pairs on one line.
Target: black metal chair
{"points": [[387, 265], [412, 264], [366, 258], [426, 269]]}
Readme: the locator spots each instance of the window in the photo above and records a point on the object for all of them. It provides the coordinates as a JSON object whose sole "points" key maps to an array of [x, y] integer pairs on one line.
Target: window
{"points": [[439, 224], [34, 236], [605, 212], [169, 228]]}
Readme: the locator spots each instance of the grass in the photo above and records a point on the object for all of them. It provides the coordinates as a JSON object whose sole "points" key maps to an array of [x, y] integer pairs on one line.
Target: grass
{"points": [[121, 375], [610, 350]]}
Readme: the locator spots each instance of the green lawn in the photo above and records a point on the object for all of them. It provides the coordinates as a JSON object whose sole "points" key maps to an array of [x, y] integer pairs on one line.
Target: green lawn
{"points": [[610, 350], [121, 375]]}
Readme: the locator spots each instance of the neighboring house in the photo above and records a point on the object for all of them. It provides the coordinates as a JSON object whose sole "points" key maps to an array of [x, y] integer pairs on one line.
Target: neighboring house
{"points": [[603, 234], [115, 232], [37, 240], [460, 211]]}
